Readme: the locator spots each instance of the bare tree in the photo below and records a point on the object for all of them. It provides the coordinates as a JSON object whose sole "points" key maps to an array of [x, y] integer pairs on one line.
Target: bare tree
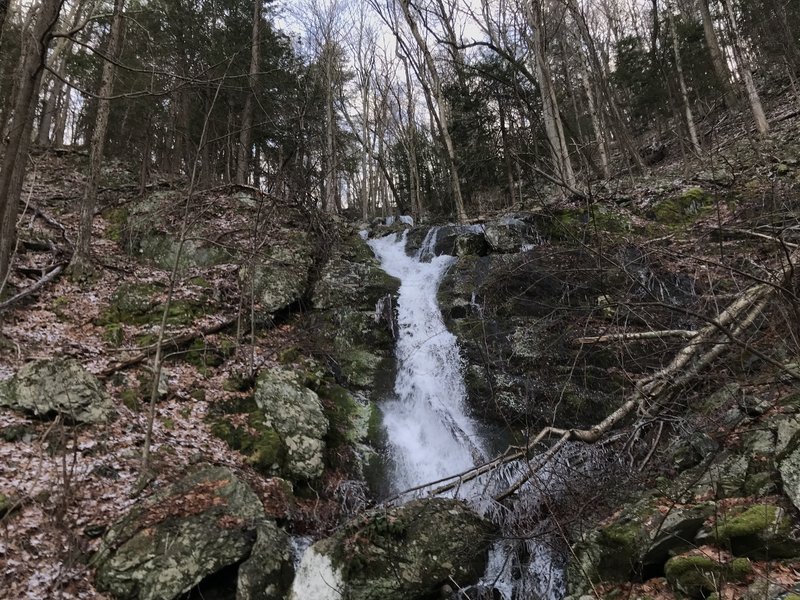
{"points": [[81, 259], [687, 106], [746, 71], [720, 64], [14, 146], [550, 111], [246, 133]]}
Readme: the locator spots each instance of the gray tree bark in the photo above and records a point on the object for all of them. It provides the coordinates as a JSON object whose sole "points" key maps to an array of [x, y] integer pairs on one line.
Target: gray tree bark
{"points": [[81, 259], [720, 65], [14, 146], [246, 133]]}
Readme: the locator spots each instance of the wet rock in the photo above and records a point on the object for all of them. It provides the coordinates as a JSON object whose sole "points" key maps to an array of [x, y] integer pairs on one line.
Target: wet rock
{"points": [[46, 388], [207, 521], [468, 244], [267, 572], [503, 238], [404, 553], [295, 413]]}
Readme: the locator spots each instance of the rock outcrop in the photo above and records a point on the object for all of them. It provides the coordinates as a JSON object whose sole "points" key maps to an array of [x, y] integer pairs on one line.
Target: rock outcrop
{"points": [[46, 388], [208, 521], [410, 552], [295, 413]]}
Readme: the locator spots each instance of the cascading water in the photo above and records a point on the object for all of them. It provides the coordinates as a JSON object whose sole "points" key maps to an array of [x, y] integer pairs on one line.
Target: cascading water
{"points": [[429, 433]]}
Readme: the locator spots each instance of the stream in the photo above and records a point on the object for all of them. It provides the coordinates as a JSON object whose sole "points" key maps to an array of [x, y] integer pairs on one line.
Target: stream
{"points": [[430, 434]]}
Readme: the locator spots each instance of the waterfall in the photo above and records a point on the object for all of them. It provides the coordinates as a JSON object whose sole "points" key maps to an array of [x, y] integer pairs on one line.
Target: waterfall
{"points": [[429, 433], [431, 436]]}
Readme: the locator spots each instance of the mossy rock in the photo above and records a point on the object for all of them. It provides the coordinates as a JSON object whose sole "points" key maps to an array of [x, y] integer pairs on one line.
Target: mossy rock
{"points": [[139, 304], [761, 531], [207, 521], [262, 446], [683, 209], [697, 576], [118, 223], [401, 553]]}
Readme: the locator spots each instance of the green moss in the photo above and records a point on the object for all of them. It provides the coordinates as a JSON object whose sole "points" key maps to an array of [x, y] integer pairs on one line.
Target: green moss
{"points": [[114, 334], [375, 431], [702, 575], [117, 223], [130, 398], [237, 382], [751, 522], [359, 367], [682, 209], [621, 544], [198, 394], [168, 423], [138, 304], [289, 355], [201, 355], [267, 452], [6, 504], [262, 446], [355, 249], [344, 414]]}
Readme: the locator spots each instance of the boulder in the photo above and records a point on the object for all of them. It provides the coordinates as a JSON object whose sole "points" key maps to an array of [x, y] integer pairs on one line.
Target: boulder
{"points": [[760, 531], [295, 413], [407, 552], [207, 521], [46, 388], [471, 244], [281, 273], [638, 541], [697, 576], [789, 469], [503, 238]]}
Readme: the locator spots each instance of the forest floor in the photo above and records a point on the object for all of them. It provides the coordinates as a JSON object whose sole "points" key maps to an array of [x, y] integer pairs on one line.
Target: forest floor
{"points": [[66, 484]]}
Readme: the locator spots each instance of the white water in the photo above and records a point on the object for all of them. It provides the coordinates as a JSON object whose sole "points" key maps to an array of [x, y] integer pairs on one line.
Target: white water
{"points": [[430, 434]]}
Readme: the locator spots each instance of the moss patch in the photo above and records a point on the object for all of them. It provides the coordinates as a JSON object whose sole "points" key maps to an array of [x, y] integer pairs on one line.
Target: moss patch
{"points": [[683, 209], [697, 576]]}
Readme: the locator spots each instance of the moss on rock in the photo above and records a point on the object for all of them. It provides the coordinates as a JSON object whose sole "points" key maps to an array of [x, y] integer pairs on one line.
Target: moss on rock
{"points": [[682, 209]]}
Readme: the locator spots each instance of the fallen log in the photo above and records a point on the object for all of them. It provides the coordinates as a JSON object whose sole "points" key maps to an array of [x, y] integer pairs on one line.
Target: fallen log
{"points": [[52, 274], [178, 341]]}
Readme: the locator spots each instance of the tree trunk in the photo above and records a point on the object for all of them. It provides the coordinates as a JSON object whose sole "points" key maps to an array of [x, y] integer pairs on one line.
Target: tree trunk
{"points": [[14, 146], [246, 133], [599, 133], [81, 259], [720, 64], [552, 119], [746, 72], [434, 89], [687, 108]]}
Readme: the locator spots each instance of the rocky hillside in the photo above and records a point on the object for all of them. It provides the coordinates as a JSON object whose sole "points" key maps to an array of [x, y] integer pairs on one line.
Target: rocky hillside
{"points": [[276, 329]]}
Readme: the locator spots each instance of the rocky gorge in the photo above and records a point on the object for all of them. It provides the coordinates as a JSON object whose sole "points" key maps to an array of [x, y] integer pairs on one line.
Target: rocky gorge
{"points": [[275, 443]]}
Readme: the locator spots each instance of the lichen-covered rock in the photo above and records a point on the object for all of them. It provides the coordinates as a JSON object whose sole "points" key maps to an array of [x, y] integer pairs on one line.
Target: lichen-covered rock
{"points": [[46, 388], [267, 573], [354, 300], [789, 468], [504, 238], [169, 543], [295, 413], [471, 243], [404, 553], [280, 277]]}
